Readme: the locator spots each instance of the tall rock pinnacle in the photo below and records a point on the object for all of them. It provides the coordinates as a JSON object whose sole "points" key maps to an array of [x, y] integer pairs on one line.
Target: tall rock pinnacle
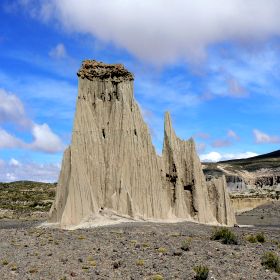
{"points": [[111, 169]]}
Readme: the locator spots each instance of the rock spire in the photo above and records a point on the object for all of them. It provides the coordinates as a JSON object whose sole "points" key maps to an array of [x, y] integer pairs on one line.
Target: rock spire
{"points": [[111, 170]]}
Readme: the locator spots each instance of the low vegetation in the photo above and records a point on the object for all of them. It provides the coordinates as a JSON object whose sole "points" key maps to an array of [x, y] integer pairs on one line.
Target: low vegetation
{"points": [[225, 235], [157, 277], [186, 244], [259, 237], [22, 198], [201, 272], [271, 261]]}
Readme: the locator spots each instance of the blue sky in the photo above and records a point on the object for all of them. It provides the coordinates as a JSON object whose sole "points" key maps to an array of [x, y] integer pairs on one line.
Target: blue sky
{"points": [[215, 65]]}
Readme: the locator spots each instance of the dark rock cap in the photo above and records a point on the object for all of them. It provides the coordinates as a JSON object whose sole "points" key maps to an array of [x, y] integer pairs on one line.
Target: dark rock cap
{"points": [[92, 69]]}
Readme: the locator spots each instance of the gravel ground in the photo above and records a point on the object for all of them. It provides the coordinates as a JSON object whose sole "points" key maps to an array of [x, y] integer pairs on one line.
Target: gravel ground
{"points": [[129, 251], [265, 215]]}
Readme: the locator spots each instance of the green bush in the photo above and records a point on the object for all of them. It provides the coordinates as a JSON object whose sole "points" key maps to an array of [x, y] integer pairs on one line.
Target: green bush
{"points": [[201, 272], [251, 238], [225, 235], [271, 261], [186, 244], [260, 237]]}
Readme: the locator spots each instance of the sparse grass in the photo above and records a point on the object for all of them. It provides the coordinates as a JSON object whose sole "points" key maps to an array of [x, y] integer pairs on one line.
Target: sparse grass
{"points": [[175, 234], [162, 250], [201, 272], [145, 245], [271, 261], [81, 237], [5, 262], [92, 263], [251, 238], [157, 277], [225, 235], [140, 262], [186, 244], [260, 237], [14, 267], [33, 270]]}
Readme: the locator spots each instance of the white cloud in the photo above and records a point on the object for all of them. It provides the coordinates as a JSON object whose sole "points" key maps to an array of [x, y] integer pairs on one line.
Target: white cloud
{"points": [[47, 172], [45, 139], [261, 137], [162, 31], [58, 51], [12, 109], [215, 156], [9, 141], [15, 163]]}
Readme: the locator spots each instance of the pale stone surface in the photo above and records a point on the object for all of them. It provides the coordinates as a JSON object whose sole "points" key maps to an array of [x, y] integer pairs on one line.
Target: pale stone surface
{"points": [[220, 201], [111, 168]]}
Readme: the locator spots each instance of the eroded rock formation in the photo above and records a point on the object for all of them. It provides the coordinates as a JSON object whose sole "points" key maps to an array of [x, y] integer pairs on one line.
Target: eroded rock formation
{"points": [[111, 168], [220, 201]]}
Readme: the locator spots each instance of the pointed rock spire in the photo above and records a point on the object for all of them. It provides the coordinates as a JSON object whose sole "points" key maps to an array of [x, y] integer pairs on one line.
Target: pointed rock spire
{"points": [[111, 169]]}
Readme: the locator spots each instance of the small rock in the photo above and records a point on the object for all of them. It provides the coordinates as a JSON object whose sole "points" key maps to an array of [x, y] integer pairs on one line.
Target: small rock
{"points": [[177, 253], [116, 264]]}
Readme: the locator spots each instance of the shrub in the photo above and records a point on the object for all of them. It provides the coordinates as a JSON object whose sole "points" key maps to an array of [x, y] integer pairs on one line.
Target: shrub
{"points": [[201, 272], [14, 267], [162, 250], [186, 244], [251, 238], [260, 237], [157, 277], [5, 262], [225, 235], [140, 262], [271, 261]]}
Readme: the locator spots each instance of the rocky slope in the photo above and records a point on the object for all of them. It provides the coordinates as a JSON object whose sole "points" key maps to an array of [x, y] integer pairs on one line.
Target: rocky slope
{"points": [[111, 170], [252, 174]]}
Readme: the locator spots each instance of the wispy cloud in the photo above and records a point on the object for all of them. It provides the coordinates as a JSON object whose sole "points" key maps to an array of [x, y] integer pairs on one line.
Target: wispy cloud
{"points": [[58, 52], [221, 143], [263, 138], [202, 135], [232, 134]]}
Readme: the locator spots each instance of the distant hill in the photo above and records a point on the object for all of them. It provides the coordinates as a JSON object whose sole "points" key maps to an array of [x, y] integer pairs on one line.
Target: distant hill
{"points": [[268, 156], [22, 199], [269, 160]]}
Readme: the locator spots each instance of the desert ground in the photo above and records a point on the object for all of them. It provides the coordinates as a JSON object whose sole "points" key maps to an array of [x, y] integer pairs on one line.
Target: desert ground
{"points": [[137, 250]]}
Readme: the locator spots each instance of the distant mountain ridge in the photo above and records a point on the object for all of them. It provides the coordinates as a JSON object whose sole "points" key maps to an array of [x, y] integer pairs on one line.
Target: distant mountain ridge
{"points": [[257, 173], [275, 154]]}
